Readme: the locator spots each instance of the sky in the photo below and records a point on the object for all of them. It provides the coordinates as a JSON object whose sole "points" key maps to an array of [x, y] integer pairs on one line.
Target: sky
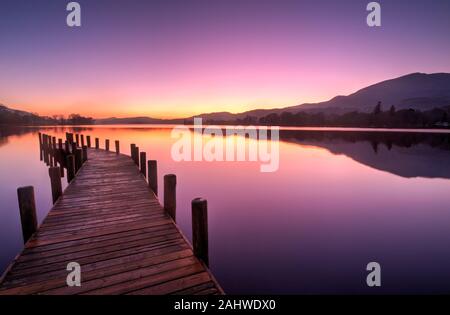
{"points": [[178, 58]]}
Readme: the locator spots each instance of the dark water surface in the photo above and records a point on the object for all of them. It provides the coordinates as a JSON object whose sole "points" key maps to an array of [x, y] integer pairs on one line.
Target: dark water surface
{"points": [[339, 200]]}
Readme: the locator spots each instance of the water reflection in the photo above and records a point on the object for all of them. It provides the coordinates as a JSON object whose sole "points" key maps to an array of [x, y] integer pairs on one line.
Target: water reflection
{"points": [[338, 201], [406, 154]]}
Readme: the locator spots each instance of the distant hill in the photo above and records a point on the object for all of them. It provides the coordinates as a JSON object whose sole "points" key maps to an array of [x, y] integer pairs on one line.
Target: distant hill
{"points": [[418, 91], [136, 120], [15, 117], [10, 116]]}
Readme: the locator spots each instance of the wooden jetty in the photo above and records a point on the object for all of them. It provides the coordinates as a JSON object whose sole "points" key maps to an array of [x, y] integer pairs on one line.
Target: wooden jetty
{"points": [[110, 222]]}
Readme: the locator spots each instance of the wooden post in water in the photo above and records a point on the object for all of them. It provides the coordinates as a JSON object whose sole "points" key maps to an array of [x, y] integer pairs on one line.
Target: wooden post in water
{"points": [[117, 147], [69, 137], [61, 158], [41, 156], [132, 147], [82, 140], [77, 137], [107, 144], [27, 207], [55, 157], [70, 162], [153, 176], [200, 229], [143, 157], [66, 147], [48, 149], [74, 148], [45, 149], [136, 155], [85, 154], [170, 195], [88, 140], [97, 143], [55, 181], [78, 160]]}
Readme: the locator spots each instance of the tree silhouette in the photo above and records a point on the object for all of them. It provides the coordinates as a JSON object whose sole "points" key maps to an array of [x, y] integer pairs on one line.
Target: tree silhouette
{"points": [[377, 109]]}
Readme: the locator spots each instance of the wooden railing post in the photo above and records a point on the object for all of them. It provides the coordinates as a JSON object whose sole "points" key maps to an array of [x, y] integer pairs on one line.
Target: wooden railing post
{"points": [[70, 162], [55, 152], [85, 154], [66, 147], [69, 137], [49, 150], [82, 140], [97, 143], [153, 176], [55, 181], [107, 144], [132, 151], [61, 158], [88, 140], [27, 207], [78, 160], [74, 148], [170, 195], [41, 156], [45, 148], [77, 137], [136, 156], [117, 146], [200, 229], [144, 163]]}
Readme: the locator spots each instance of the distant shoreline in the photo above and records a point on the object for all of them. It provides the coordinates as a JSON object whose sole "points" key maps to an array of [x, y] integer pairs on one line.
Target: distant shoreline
{"points": [[287, 128]]}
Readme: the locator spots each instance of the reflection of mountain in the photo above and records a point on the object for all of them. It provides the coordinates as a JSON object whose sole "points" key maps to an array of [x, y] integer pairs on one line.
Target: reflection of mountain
{"points": [[403, 154]]}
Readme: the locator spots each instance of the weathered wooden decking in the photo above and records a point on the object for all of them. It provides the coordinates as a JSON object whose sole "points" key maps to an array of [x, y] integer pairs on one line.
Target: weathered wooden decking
{"points": [[111, 223]]}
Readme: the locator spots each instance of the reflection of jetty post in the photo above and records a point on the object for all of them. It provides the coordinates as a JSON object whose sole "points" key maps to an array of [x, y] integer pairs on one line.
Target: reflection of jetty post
{"points": [[110, 213]]}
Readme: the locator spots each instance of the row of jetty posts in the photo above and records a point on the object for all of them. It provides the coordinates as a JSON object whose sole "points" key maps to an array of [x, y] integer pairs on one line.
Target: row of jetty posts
{"points": [[73, 153]]}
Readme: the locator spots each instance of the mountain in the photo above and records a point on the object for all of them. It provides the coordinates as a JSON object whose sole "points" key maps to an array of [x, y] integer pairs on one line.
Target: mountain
{"points": [[418, 91], [10, 116], [136, 120], [9, 111], [14, 117]]}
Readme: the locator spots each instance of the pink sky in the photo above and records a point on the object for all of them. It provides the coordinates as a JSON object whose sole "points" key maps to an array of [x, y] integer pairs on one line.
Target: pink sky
{"points": [[180, 59]]}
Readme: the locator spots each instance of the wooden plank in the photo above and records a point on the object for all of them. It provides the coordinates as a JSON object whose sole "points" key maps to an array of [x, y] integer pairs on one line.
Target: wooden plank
{"points": [[110, 222]]}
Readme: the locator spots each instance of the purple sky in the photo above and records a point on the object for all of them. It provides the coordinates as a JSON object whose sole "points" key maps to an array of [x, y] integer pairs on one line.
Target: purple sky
{"points": [[175, 58]]}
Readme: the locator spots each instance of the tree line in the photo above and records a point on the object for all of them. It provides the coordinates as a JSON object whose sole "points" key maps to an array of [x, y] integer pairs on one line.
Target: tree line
{"points": [[391, 118], [31, 119]]}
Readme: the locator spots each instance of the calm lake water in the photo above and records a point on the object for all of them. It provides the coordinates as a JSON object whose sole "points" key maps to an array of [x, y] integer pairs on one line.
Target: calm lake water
{"points": [[340, 200]]}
